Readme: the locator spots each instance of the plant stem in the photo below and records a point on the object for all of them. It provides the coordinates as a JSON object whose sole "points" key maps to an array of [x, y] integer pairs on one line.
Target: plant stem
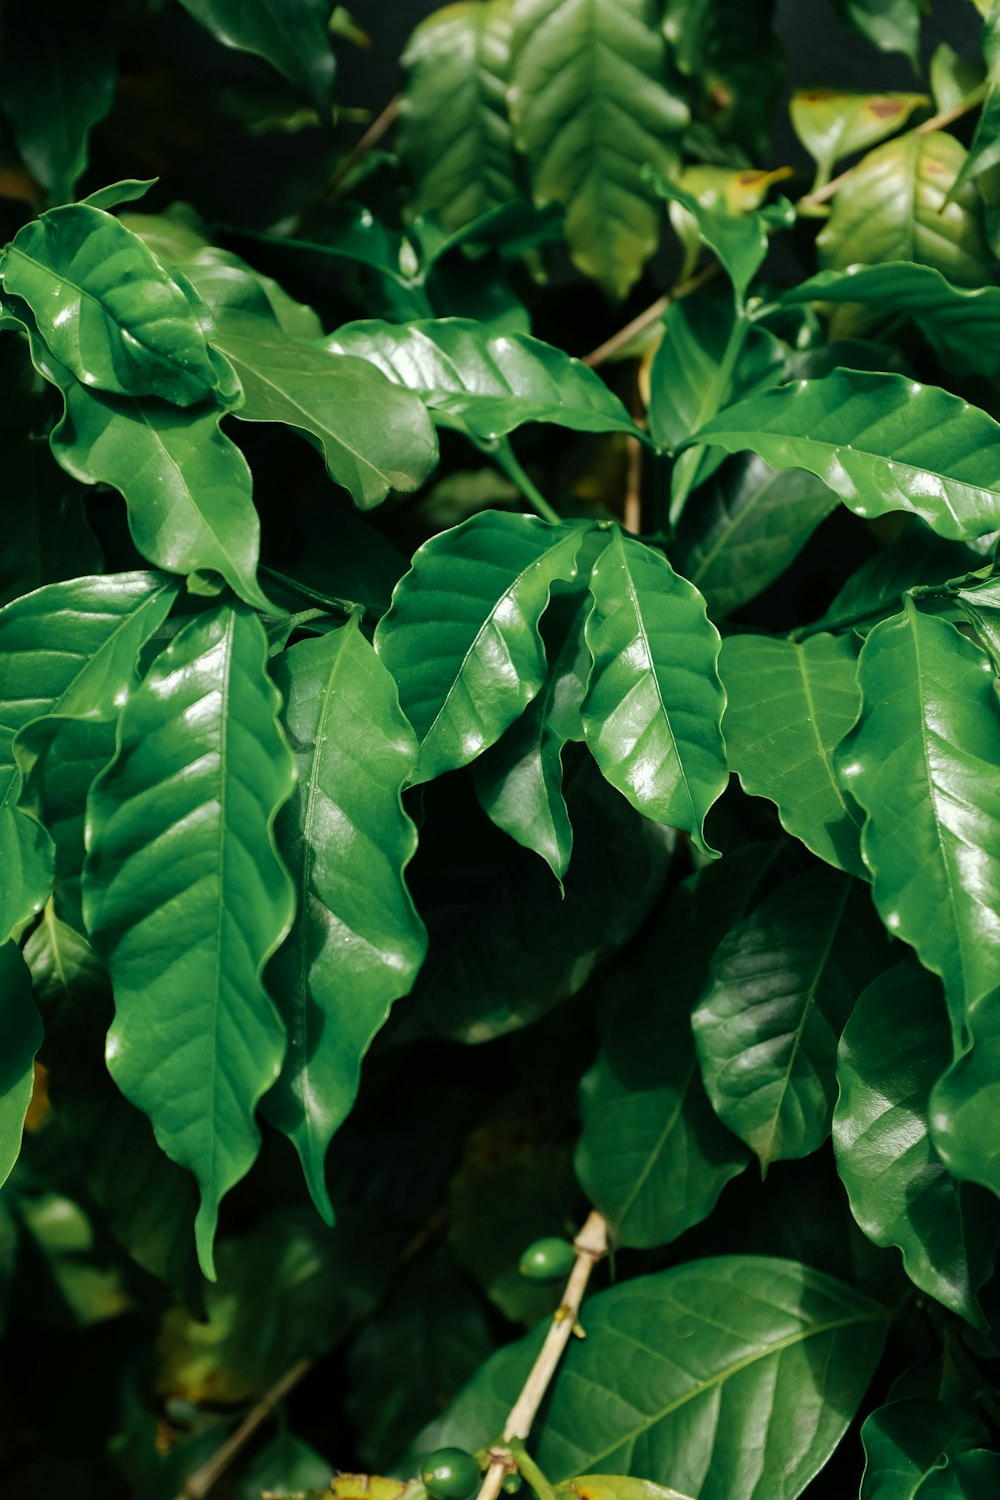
{"points": [[591, 1245], [368, 142], [936, 122], [329, 602], [205, 1478], [652, 314], [505, 458]]}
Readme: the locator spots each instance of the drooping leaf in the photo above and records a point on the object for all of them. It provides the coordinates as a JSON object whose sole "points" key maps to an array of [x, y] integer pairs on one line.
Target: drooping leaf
{"points": [[485, 383], [461, 638], [738, 239], [892, 207], [653, 1156], [910, 1446], [226, 283], [736, 1376], [22, 1033], [454, 137], [109, 311], [291, 35], [881, 442], [181, 839], [375, 437], [901, 1194], [781, 987], [749, 524], [57, 76], [357, 942], [920, 763], [653, 713], [832, 124], [890, 25], [591, 107], [789, 704]]}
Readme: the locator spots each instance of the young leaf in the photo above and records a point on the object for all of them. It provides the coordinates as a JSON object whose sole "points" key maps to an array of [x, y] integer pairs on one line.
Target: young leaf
{"points": [[781, 987], [485, 383], [832, 124], [739, 240], [375, 437], [591, 107], [461, 638], [357, 942], [735, 1375], [921, 764], [890, 25], [108, 310], [881, 442], [22, 1033], [901, 1194], [910, 1446], [181, 840], [454, 135], [653, 714], [789, 706], [292, 37]]}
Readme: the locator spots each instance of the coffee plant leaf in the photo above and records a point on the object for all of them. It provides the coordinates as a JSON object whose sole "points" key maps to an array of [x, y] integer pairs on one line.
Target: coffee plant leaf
{"points": [[23, 1030], [914, 1446], [292, 37], [832, 123]]}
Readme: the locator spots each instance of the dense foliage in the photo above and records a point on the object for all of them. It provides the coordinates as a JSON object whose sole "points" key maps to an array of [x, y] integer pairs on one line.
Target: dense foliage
{"points": [[498, 687]]}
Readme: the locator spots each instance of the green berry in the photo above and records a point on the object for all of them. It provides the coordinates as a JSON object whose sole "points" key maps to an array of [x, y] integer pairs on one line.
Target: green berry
{"points": [[511, 1484], [450, 1474], [548, 1260]]}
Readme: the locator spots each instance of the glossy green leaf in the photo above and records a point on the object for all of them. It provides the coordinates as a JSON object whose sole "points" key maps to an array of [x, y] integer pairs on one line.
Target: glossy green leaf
{"points": [[375, 437], [226, 283], [128, 190], [486, 383], [461, 638], [653, 1156], [961, 324], [832, 123], [454, 135], [291, 35], [591, 107], [22, 1033], [109, 311], [892, 207], [739, 240], [782, 985], [890, 25], [915, 556], [749, 524], [653, 713], [921, 763], [57, 76], [181, 832], [789, 706], [519, 780], [881, 442], [984, 149], [736, 1376], [911, 1445], [901, 1194], [357, 942]]}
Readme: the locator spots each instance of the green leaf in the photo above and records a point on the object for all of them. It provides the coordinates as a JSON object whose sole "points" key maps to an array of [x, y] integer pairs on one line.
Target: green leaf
{"points": [[782, 985], [890, 25], [736, 1376], [519, 780], [108, 310], [285, 1466], [738, 239], [357, 943], [461, 638], [591, 107], [881, 442], [128, 190], [228, 284], [291, 35], [485, 383], [454, 136], [22, 1033], [749, 524], [915, 556], [57, 76], [375, 437], [789, 706], [921, 764], [181, 839], [832, 123], [615, 1487], [889, 1060], [149, 1203], [892, 208], [653, 1157], [653, 713], [959, 323], [910, 1446], [984, 151]]}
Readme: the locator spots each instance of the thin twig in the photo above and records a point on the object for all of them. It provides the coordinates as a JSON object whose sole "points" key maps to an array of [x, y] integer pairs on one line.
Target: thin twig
{"points": [[646, 319], [368, 142], [936, 122], [205, 1478], [591, 1245]]}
